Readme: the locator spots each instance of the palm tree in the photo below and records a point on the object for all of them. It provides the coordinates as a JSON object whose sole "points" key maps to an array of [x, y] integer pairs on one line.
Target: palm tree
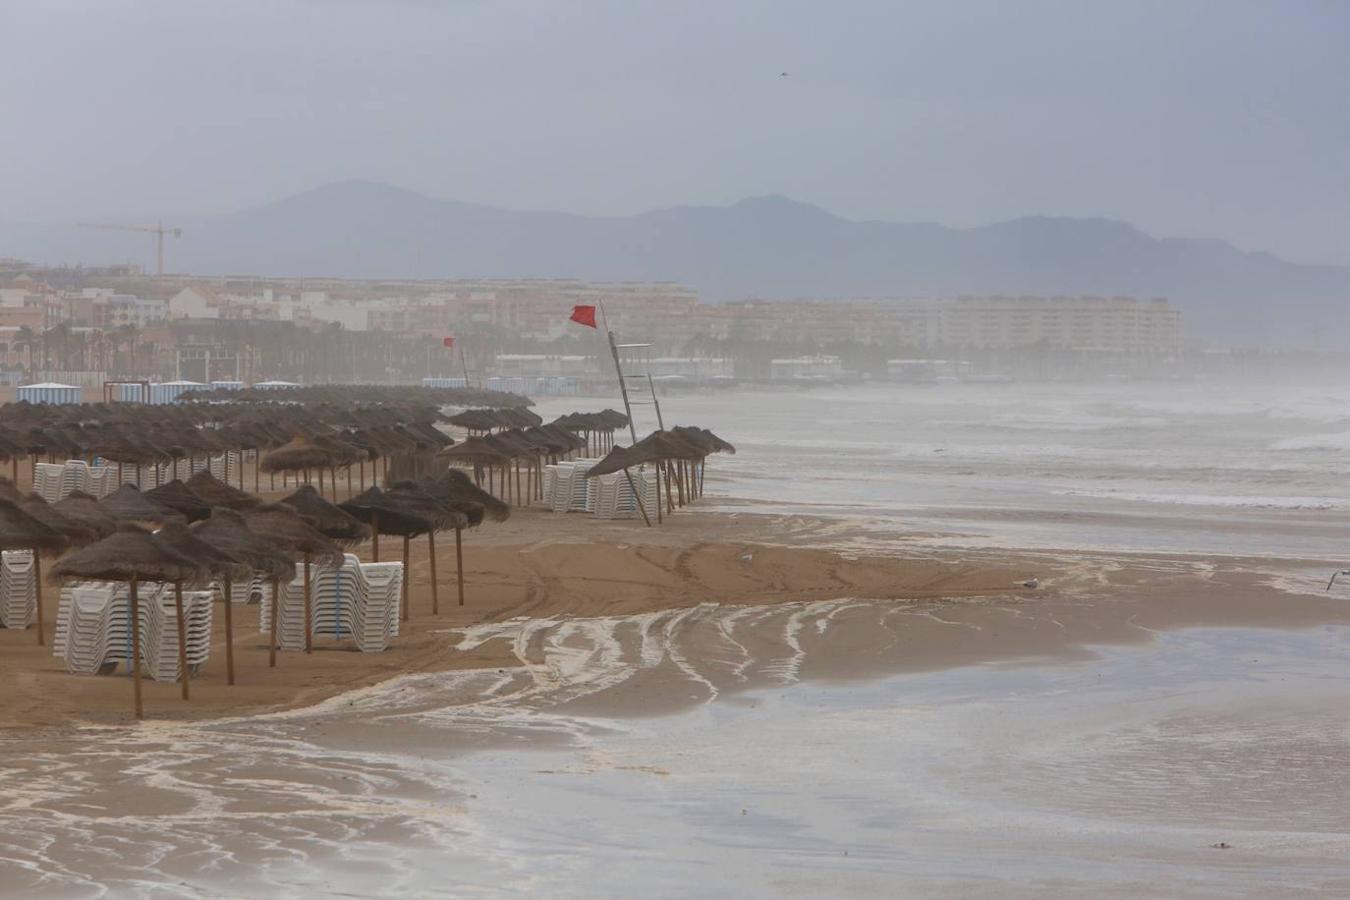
{"points": [[24, 339]]}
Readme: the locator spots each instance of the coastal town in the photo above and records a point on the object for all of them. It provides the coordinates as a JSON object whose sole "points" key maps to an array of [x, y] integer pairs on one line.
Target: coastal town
{"points": [[85, 326]]}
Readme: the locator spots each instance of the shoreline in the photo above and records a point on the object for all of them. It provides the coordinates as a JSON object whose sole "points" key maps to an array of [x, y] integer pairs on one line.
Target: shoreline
{"points": [[545, 567]]}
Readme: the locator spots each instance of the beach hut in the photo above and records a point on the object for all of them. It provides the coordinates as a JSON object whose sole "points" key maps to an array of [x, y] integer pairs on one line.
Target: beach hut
{"points": [[169, 391], [50, 392], [131, 555]]}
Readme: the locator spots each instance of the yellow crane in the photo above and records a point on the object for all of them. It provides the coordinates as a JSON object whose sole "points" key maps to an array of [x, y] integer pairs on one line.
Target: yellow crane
{"points": [[158, 231]]}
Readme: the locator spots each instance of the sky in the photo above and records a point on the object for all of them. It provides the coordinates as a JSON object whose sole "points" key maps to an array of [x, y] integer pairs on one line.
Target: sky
{"points": [[1222, 119]]}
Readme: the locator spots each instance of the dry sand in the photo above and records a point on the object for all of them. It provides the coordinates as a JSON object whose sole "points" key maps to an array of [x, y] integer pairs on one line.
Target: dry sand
{"points": [[541, 565]]}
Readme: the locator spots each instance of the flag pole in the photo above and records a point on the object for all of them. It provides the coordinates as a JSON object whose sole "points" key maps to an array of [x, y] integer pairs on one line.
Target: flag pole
{"points": [[627, 408]]}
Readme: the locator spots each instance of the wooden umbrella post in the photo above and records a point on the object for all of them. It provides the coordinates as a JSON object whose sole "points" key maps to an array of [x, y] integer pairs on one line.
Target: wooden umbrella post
{"points": [[37, 579], [136, 648], [406, 612], [229, 633], [435, 589], [374, 535], [459, 562], [276, 610], [309, 607], [182, 637]]}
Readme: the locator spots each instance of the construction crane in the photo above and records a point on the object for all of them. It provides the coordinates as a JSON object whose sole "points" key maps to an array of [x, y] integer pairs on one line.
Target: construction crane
{"points": [[158, 231]]}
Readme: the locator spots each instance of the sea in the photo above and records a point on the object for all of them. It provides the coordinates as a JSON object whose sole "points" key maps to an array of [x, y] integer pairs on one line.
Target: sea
{"points": [[1201, 762]]}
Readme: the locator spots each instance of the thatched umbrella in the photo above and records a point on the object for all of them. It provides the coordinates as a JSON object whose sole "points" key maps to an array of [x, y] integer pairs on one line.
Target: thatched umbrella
{"points": [[87, 511], [332, 522], [228, 531], [127, 504], [328, 519], [20, 531], [133, 555], [178, 497], [75, 531], [217, 493], [414, 498], [282, 524], [454, 488], [214, 561], [386, 515], [300, 455]]}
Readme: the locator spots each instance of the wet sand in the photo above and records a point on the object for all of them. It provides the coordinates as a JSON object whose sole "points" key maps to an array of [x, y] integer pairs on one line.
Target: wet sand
{"points": [[960, 608]]}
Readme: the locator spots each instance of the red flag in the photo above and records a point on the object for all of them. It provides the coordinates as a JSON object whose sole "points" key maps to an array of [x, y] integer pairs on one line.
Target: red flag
{"points": [[584, 315], [448, 342]]}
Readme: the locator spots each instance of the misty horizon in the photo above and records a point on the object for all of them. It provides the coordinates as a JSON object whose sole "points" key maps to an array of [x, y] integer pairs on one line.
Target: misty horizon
{"points": [[1186, 119]]}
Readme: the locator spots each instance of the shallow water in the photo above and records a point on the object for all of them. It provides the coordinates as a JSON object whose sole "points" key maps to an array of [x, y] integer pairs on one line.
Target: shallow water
{"points": [[1113, 775]]}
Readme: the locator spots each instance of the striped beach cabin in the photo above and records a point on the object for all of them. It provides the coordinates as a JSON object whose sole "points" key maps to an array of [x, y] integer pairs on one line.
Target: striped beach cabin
{"points": [[50, 392]]}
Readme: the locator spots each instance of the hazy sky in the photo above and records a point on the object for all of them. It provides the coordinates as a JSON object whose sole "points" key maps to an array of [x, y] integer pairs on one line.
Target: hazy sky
{"points": [[1221, 119]]}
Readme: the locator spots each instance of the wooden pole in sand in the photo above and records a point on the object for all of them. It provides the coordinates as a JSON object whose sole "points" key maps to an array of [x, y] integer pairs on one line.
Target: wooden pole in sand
{"points": [[435, 590], [182, 637], [276, 611], [229, 633], [656, 471], [374, 535], [407, 614], [309, 605], [37, 583], [135, 648], [637, 495], [459, 562]]}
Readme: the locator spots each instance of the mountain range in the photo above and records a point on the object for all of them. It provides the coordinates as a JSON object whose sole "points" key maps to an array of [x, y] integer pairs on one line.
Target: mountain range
{"points": [[768, 247]]}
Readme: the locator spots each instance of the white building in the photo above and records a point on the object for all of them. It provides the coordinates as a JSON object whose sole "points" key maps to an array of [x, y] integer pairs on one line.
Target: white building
{"points": [[127, 309]]}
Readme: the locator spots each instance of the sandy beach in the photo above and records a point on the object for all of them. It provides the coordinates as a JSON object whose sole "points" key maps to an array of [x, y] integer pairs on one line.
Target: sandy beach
{"points": [[545, 566]]}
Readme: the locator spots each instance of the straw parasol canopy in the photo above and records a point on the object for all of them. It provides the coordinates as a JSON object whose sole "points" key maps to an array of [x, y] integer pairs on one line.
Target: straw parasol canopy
{"points": [[213, 559], [133, 555], [87, 511], [130, 553], [457, 485], [229, 532], [178, 497], [217, 493], [290, 530], [385, 517], [126, 504], [20, 531], [331, 521], [298, 455], [74, 530]]}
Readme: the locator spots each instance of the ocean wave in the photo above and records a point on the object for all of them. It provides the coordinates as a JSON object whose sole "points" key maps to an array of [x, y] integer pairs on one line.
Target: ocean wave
{"points": [[1337, 441], [1225, 501]]}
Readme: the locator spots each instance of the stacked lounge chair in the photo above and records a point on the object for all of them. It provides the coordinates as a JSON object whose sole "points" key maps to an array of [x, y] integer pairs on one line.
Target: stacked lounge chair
{"points": [[566, 487], [56, 481], [18, 589], [614, 497], [92, 633], [357, 601]]}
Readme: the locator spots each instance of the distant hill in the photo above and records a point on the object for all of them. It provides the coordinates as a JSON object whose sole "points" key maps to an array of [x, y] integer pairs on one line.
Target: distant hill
{"points": [[761, 247]]}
